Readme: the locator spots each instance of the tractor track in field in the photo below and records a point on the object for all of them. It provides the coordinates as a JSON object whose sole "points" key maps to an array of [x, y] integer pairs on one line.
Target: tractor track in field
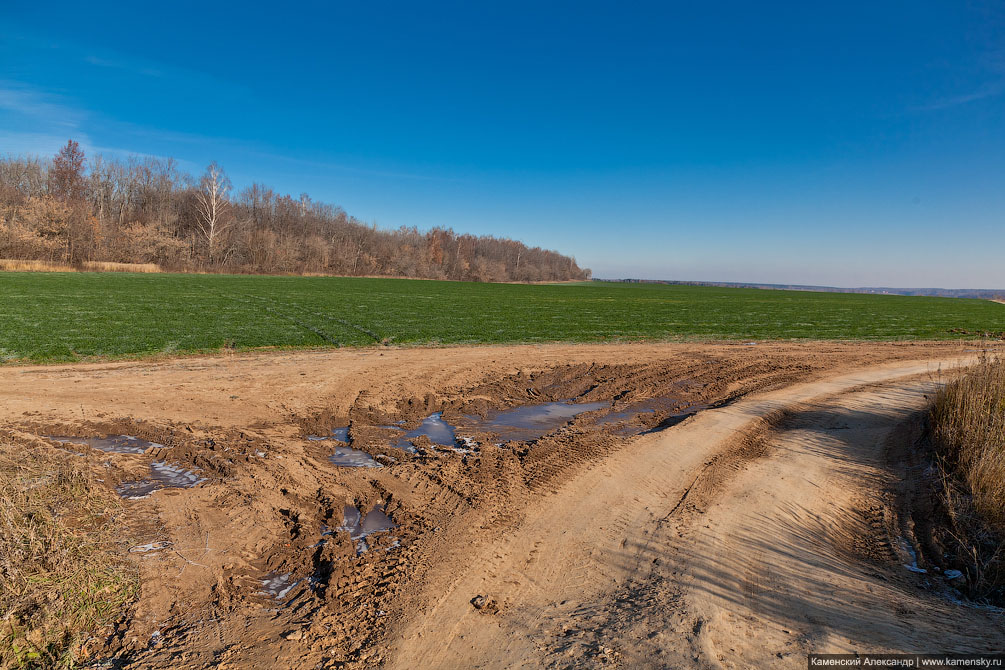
{"points": [[325, 337], [347, 324]]}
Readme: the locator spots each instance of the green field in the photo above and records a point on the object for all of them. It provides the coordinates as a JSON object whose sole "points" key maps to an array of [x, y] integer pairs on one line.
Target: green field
{"points": [[69, 316]]}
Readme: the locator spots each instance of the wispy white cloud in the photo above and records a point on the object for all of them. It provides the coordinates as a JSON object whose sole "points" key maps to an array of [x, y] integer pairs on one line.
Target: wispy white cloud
{"points": [[36, 122], [989, 90], [124, 65], [185, 165], [38, 106], [993, 65], [36, 144], [341, 167], [40, 122]]}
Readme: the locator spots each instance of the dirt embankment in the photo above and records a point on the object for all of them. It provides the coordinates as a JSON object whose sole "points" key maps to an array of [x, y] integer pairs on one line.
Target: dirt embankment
{"points": [[588, 534]]}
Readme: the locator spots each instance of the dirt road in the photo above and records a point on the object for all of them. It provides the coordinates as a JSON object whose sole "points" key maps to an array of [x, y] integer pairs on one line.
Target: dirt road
{"points": [[721, 543], [753, 529]]}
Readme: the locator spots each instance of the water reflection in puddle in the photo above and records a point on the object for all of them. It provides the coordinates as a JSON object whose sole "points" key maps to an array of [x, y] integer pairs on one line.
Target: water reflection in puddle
{"points": [[348, 457], [533, 421], [338, 434], [276, 585], [623, 415], [360, 527], [434, 427], [628, 420], [162, 476], [115, 444]]}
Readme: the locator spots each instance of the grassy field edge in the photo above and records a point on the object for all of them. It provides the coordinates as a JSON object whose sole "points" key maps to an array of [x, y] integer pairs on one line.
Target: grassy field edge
{"points": [[67, 317]]}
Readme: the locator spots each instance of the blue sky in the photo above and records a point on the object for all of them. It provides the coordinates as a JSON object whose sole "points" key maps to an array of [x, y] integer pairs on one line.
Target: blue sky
{"points": [[847, 144]]}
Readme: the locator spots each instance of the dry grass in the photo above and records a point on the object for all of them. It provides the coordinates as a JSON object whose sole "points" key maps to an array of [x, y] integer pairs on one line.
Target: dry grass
{"points": [[13, 265], [968, 419], [63, 572], [106, 266]]}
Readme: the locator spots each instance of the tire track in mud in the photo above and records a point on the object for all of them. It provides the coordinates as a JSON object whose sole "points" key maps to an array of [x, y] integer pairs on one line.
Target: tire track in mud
{"points": [[450, 510], [599, 537]]}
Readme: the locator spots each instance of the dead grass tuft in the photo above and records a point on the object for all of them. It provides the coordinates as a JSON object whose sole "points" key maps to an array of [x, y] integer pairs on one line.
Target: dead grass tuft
{"points": [[968, 420], [63, 571]]}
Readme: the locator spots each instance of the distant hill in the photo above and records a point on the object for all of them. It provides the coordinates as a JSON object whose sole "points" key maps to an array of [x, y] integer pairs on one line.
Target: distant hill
{"points": [[976, 293]]}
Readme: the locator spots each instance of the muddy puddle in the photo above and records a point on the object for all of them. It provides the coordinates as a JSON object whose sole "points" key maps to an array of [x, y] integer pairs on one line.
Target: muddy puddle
{"points": [[629, 420], [114, 444], [360, 526], [337, 434], [531, 422], [624, 415], [162, 476], [347, 457], [434, 427]]}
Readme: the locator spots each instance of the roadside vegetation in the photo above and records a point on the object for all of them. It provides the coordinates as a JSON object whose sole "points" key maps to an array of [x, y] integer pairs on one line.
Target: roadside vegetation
{"points": [[63, 574], [74, 316], [968, 419]]}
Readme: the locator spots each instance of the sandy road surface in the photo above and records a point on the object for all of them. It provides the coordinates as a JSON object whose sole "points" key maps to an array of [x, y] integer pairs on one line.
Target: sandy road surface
{"points": [[698, 548], [584, 537]]}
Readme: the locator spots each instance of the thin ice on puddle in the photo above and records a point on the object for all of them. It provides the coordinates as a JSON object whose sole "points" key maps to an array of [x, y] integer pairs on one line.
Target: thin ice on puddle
{"points": [[163, 475], [360, 527], [347, 457], [277, 585], [113, 444]]}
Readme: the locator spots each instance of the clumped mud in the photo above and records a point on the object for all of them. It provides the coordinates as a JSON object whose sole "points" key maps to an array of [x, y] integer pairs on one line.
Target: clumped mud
{"points": [[263, 558]]}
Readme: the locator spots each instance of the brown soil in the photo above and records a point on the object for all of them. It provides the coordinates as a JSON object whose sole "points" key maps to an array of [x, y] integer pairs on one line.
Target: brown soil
{"points": [[748, 532]]}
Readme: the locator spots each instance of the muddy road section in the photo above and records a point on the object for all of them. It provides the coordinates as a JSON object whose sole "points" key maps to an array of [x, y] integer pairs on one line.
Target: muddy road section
{"points": [[433, 507], [749, 537]]}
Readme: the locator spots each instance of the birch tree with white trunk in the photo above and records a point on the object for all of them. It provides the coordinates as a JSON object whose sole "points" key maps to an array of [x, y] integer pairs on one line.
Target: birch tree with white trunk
{"points": [[214, 206]]}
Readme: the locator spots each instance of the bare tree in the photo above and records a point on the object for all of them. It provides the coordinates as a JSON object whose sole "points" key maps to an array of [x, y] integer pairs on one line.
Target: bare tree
{"points": [[66, 178], [213, 206], [145, 210]]}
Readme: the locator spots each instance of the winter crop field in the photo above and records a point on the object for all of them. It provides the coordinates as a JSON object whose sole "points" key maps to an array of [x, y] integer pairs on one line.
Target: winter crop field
{"points": [[72, 316]]}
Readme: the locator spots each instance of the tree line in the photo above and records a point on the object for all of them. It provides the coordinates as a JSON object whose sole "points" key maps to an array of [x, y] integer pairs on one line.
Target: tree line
{"points": [[72, 209]]}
